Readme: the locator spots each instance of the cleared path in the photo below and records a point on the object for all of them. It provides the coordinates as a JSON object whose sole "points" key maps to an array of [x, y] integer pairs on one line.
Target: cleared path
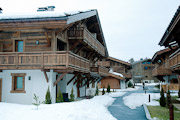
{"points": [[120, 111]]}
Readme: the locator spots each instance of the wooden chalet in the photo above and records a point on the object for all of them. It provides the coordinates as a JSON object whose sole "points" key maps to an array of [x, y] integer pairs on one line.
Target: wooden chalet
{"points": [[49, 49], [119, 73], [171, 38], [162, 69]]}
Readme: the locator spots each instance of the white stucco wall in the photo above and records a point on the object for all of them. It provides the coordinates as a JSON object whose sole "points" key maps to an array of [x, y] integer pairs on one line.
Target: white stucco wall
{"points": [[91, 91], [37, 85], [122, 84]]}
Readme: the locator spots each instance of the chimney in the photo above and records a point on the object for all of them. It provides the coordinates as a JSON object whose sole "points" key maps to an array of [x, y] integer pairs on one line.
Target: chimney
{"points": [[48, 8], [1, 10]]}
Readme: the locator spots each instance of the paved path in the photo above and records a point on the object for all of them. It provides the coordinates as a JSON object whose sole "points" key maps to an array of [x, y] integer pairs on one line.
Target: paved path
{"points": [[122, 112]]}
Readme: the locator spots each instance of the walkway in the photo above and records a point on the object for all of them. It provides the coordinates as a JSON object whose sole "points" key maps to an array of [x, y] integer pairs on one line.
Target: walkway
{"points": [[122, 112]]}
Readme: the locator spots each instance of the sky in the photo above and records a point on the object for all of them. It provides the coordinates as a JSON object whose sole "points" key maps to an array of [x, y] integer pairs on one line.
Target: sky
{"points": [[132, 28]]}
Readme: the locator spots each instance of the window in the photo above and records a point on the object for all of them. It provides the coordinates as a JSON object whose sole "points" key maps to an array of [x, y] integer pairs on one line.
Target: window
{"points": [[18, 83], [145, 68], [19, 46]]}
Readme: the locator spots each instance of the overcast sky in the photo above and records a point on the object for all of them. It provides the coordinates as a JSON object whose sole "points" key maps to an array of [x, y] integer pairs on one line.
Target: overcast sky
{"points": [[132, 28]]}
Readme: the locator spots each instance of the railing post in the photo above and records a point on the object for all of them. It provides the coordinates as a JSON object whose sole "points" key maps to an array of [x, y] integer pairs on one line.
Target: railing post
{"points": [[67, 59], [171, 112], [42, 59], [16, 63]]}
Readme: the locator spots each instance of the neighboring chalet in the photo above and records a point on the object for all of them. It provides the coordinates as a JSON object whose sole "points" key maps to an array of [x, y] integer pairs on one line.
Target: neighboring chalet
{"points": [[162, 69], [142, 71], [171, 38], [50, 49], [119, 73]]}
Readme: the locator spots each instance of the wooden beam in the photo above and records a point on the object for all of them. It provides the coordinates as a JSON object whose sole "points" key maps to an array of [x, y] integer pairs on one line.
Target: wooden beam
{"points": [[84, 46], [47, 38], [64, 70], [59, 78], [75, 44], [45, 74], [79, 77], [76, 74]]}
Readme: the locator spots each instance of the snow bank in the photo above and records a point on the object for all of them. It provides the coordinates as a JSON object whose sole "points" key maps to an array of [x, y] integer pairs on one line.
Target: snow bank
{"points": [[137, 99], [90, 109]]}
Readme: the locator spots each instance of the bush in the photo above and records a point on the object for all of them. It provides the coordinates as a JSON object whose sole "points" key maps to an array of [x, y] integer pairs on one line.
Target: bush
{"points": [[162, 99], [103, 92], [97, 91], [168, 99], [48, 97], [108, 89], [130, 84], [59, 97], [72, 95], [37, 103]]}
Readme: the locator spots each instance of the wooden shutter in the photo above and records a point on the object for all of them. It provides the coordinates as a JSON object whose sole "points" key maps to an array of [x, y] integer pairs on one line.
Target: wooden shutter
{"points": [[1, 46]]}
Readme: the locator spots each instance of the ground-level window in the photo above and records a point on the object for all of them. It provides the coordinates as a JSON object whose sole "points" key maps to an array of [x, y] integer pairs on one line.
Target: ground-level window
{"points": [[18, 82]]}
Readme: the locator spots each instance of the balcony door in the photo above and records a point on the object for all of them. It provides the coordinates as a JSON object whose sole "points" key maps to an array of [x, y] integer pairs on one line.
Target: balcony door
{"points": [[19, 45]]}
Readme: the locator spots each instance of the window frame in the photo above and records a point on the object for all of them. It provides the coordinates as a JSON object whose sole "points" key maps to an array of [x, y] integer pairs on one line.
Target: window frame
{"points": [[13, 88]]}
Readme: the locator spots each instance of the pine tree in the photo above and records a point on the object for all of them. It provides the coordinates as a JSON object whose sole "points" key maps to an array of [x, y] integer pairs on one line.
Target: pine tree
{"points": [[168, 99], [179, 94], [97, 91], [103, 92], [37, 103], [130, 84], [72, 95], [108, 89], [48, 97], [59, 97], [162, 99]]}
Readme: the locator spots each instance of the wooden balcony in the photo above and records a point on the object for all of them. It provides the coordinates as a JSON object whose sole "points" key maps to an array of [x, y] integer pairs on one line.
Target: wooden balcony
{"points": [[127, 75], [175, 60], [103, 71], [104, 63], [88, 38], [43, 60], [161, 71]]}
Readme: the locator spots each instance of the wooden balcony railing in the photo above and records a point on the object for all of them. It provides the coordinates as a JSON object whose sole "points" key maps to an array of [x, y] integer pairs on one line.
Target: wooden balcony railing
{"points": [[43, 60], [175, 60], [87, 37], [104, 63], [161, 70], [127, 75], [103, 71]]}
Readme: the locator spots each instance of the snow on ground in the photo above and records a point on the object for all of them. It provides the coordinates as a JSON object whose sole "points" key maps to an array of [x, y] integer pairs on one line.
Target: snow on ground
{"points": [[122, 90], [89, 109], [147, 84], [137, 99]]}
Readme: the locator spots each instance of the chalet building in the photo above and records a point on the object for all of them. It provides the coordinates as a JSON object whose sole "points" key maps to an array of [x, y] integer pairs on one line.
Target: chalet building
{"points": [[49, 49], [142, 71], [118, 75], [162, 69], [171, 38]]}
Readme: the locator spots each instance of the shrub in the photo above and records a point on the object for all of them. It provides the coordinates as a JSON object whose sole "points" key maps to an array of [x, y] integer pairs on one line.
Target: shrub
{"points": [[130, 84], [72, 95], [97, 91], [103, 92], [48, 97], [37, 103], [108, 89], [162, 99], [59, 97], [168, 99]]}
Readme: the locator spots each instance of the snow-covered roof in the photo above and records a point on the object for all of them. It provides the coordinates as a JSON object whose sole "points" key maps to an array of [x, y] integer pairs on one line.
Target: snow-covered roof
{"points": [[71, 16], [115, 74]]}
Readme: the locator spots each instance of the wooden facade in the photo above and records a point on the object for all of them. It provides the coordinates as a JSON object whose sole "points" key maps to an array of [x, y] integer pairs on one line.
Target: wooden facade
{"points": [[172, 38], [69, 44], [119, 71], [48, 43]]}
